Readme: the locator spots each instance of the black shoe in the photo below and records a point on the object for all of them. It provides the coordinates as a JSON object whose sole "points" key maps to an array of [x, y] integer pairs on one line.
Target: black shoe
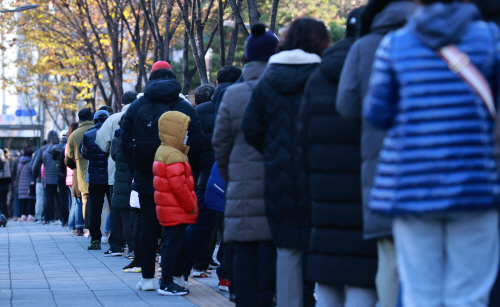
{"points": [[110, 253], [172, 289], [133, 267], [94, 245]]}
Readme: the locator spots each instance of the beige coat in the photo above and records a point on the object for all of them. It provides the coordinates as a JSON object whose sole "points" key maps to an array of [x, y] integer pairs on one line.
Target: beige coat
{"points": [[74, 141]]}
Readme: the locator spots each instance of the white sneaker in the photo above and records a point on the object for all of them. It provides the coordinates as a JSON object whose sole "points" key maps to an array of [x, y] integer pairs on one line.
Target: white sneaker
{"points": [[104, 240], [146, 284], [180, 281]]}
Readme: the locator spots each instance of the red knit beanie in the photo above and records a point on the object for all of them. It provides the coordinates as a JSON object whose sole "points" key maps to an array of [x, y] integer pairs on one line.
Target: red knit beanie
{"points": [[161, 64]]}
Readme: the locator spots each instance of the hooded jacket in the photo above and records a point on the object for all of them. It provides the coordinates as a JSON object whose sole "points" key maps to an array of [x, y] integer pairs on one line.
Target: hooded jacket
{"points": [[36, 165], [330, 162], [123, 178], [270, 126], [74, 141], [174, 196], [25, 177], [58, 155], [352, 89], [105, 136], [240, 165], [97, 172], [160, 95], [439, 154], [49, 165]]}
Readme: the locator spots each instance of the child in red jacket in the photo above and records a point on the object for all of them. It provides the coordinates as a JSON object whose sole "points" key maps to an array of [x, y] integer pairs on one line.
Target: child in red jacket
{"points": [[176, 202]]}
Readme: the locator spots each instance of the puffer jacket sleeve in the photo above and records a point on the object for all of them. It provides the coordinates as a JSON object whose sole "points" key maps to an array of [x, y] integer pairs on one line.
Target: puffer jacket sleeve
{"points": [[223, 140], [253, 124], [127, 134], [382, 98], [113, 148], [349, 101], [37, 164], [196, 138], [84, 147]]}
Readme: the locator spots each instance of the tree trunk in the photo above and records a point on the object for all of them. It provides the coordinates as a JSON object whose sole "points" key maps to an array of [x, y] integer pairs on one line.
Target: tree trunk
{"points": [[186, 82], [274, 13], [253, 12], [221, 35], [238, 19], [168, 19]]}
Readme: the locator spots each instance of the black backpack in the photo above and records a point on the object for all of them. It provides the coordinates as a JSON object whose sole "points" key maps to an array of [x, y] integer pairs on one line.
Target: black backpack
{"points": [[146, 138]]}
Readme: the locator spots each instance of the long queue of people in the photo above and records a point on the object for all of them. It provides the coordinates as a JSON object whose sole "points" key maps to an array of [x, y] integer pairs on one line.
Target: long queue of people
{"points": [[361, 174]]}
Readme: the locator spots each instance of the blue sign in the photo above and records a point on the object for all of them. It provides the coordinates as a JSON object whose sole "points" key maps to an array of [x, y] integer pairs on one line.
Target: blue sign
{"points": [[25, 112]]}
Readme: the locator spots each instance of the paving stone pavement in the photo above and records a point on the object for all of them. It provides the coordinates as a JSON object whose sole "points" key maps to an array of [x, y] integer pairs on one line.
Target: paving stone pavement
{"points": [[46, 266]]}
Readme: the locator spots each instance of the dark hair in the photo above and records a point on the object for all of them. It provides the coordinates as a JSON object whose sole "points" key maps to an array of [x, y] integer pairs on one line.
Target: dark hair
{"points": [[106, 108], [71, 128], [44, 142], [129, 97], [203, 93], [162, 73], [27, 151], [228, 74], [307, 34], [370, 11]]}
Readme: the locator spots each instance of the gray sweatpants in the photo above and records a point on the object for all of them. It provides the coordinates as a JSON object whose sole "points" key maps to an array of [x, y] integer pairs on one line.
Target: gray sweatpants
{"points": [[289, 277], [335, 296], [387, 279], [447, 259], [39, 201]]}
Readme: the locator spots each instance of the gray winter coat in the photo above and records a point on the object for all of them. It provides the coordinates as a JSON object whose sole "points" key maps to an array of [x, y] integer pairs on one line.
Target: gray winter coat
{"points": [[352, 90], [240, 165], [25, 177]]}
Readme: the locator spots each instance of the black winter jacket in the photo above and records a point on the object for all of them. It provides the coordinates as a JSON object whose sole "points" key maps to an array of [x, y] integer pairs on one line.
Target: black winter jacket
{"points": [[98, 159], [270, 126], [331, 163], [58, 156], [123, 178], [160, 96]]}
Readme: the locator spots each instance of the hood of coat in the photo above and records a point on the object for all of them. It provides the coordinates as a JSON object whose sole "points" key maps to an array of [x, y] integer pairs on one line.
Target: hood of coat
{"points": [[219, 89], [289, 70], [125, 108], [173, 127], [393, 17], [333, 59], [162, 90], [24, 159], [98, 126], [253, 70], [438, 25]]}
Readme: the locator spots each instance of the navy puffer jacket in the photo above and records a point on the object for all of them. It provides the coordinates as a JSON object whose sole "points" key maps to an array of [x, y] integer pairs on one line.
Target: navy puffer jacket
{"points": [[270, 126], [25, 177], [98, 160], [49, 166], [439, 154]]}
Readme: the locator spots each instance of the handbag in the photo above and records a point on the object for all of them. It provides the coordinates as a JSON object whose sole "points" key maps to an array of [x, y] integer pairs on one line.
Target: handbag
{"points": [[460, 63]]}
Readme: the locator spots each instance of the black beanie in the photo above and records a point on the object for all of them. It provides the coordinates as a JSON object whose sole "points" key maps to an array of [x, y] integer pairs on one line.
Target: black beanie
{"points": [[85, 114], [261, 44]]}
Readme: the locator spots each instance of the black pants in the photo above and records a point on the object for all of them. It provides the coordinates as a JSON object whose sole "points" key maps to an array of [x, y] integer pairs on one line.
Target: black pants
{"points": [[3, 204], [136, 221], [172, 253], [149, 235], [121, 232], [50, 196], [254, 273], [27, 206], [64, 201], [97, 192], [199, 237]]}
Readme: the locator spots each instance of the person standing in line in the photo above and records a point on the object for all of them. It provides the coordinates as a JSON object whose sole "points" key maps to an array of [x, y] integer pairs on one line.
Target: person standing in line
{"points": [[26, 178], [85, 117], [119, 215], [5, 180], [98, 181], [50, 183], [175, 198], [140, 140], [379, 17], [269, 125], [341, 262], [16, 209], [438, 168], [242, 167], [75, 220], [58, 157]]}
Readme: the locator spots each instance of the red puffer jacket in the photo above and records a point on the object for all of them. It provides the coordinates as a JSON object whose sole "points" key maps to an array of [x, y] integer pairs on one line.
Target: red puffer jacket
{"points": [[175, 199]]}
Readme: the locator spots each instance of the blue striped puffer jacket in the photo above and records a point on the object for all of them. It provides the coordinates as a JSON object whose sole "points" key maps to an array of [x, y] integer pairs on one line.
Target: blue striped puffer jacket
{"points": [[439, 154]]}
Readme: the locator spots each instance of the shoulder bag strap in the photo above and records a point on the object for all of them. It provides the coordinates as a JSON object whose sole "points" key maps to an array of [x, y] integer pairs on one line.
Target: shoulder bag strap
{"points": [[460, 63]]}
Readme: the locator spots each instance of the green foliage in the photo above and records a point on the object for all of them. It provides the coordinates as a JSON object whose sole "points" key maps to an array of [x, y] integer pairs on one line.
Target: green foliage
{"points": [[337, 29]]}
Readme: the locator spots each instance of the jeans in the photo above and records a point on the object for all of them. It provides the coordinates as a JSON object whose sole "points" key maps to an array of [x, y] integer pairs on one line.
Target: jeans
{"points": [[149, 235], [172, 253], [16, 206], [447, 259], [76, 215], [40, 200], [63, 199], [254, 273], [97, 192], [27, 206], [387, 279], [337, 296], [50, 193], [107, 228]]}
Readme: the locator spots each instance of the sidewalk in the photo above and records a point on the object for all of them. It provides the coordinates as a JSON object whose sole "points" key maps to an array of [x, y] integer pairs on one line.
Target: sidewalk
{"points": [[46, 266]]}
